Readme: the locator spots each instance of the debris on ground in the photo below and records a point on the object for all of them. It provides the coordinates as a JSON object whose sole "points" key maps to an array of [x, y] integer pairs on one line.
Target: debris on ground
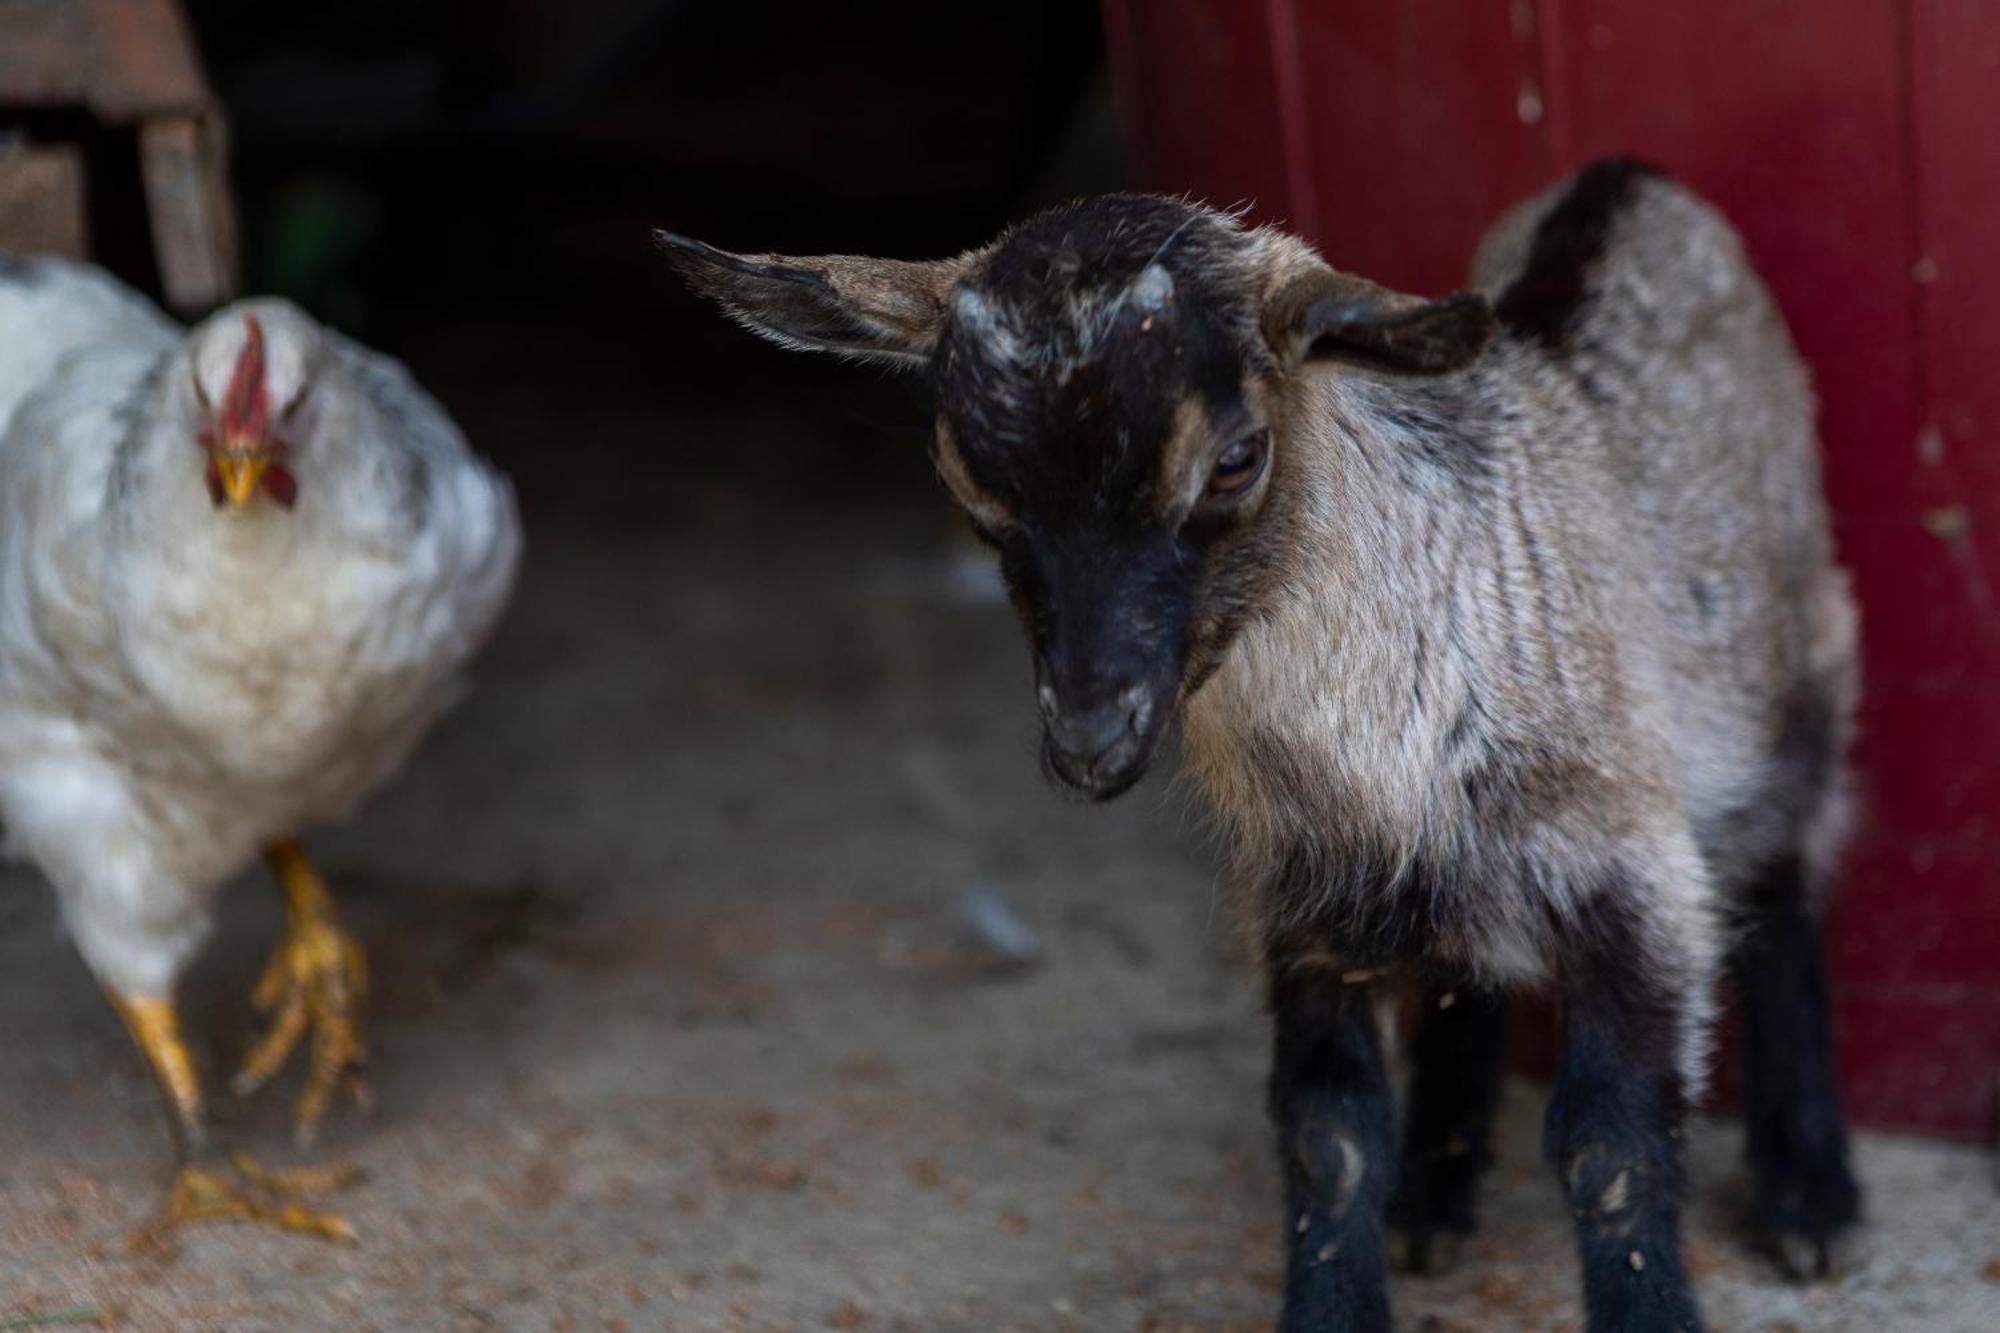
{"points": [[994, 930]]}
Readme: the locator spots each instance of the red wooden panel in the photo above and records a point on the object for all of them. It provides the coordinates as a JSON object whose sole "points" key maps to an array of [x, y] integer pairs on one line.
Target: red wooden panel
{"points": [[1788, 114], [1955, 61], [1955, 75], [1914, 585], [1947, 918], [1393, 96], [1938, 1087], [1955, 85], [1851, 142], [1200, 100], [1795, 116], [1932, 778]]}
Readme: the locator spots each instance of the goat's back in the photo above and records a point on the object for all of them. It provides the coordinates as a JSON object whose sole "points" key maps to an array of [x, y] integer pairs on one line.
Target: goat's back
{"points": [[1686, 418]]}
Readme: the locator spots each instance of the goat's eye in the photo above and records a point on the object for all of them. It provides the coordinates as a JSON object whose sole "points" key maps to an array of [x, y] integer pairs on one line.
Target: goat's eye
{"points": [[1240, 463]]}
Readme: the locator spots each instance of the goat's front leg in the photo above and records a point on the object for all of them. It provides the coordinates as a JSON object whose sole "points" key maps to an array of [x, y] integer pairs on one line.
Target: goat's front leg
{"points": [[1331, 1102], [1633, 1003]]}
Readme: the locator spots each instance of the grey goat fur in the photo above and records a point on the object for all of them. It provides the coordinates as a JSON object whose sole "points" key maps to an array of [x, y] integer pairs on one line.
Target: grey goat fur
{"points": [[1506, 637], [1616, 637]]}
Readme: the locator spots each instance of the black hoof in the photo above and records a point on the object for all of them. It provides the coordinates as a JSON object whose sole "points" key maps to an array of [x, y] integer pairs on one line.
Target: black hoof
{"points": [[1428, 1252], [1802, 1208], [1433, 1212]]}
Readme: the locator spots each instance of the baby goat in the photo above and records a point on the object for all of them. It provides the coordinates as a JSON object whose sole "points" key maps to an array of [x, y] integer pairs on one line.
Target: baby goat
{"points": [[1508, 643]]}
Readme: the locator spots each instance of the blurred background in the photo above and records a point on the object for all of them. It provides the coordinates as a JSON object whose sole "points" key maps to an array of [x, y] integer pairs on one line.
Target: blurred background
{"points": [[735, 969]]}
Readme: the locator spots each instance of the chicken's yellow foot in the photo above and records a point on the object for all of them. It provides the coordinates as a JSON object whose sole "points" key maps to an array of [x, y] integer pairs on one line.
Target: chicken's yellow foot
{"points": [[237, 1189], [317, 980], [207, 1190]]}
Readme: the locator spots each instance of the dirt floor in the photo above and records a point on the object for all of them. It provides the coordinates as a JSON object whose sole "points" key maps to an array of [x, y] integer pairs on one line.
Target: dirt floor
{"points": [[681, 1025]]}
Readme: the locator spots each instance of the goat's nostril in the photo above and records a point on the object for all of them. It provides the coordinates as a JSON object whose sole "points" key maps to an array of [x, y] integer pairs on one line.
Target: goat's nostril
{"points": [[1138, 705], [1099, 742]]}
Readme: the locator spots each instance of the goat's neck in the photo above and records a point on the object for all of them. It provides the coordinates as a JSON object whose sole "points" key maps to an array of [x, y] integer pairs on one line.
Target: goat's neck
{"points": [[1351, 681]]}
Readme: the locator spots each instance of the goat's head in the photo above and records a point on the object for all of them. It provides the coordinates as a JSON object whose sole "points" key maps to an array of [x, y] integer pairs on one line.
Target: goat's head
{"points": [[1110, 381]]}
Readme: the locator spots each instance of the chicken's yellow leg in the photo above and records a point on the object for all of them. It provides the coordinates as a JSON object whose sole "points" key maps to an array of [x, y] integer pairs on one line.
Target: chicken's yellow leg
{"points": [[156, 1026], [206, 1188], [317, 979]]}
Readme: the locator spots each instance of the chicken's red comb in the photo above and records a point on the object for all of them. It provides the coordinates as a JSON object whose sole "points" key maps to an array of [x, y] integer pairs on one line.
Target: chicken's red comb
{"points": [[246, 404]]}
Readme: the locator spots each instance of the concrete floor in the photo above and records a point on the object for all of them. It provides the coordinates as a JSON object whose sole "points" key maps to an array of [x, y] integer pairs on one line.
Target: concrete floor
{"points": [[677, 1026]]}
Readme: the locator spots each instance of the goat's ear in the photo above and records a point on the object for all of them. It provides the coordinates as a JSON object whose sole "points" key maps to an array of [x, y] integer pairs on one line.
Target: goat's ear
{"points": [[1322, 315], [885, 310]]}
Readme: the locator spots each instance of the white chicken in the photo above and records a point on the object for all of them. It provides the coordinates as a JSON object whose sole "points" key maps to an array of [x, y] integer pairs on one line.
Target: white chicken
{"points": [[240, 569]]}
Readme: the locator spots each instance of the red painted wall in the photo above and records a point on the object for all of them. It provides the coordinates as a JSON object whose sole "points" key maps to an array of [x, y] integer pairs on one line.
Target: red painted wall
{"points": [[1856, 143]]}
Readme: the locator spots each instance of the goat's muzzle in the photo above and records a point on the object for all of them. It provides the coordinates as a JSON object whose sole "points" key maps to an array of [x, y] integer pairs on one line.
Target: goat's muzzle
{"points": [[1103, 747]]}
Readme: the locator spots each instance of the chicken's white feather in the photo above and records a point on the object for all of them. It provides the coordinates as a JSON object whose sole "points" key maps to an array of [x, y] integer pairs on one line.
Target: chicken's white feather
{"points": [[180, 685]]}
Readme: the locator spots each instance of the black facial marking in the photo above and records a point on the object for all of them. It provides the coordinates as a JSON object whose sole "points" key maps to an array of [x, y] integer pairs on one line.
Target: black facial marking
{"points": [[1543, 302], [1065, 363], [1062, 393]]}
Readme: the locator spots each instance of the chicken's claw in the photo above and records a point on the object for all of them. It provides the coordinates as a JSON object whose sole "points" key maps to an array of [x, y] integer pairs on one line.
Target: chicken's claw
{"points": [[238, 1189], [317, 981]]}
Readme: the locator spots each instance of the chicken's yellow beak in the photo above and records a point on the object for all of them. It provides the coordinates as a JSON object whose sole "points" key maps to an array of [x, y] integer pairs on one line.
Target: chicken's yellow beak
{"points": [[240, 471]]}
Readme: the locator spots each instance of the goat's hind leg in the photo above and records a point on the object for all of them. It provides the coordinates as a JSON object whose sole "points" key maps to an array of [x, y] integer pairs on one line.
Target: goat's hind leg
{"points": [[1458, 1060], [1796, 1137]]}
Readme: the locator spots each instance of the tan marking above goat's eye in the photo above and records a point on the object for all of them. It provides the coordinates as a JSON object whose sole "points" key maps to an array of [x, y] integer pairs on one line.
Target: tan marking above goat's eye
{"points": [[987, 514], [1240, 464]]}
